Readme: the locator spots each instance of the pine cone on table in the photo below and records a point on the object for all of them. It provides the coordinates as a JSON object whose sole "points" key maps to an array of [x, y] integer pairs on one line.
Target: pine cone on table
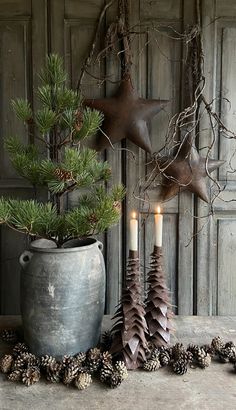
{"points": [[115, 380], [30, 359], [54, 372], [20, 348], [83, 380], [106, 372], [208, 349], [192, 348], [164, 358], [94, 360], [177, 350], [151, 365], [70, 373], [217, 344], [31, 375], [227, 353], [19, 364], [80, 358], [155, 353], [203, 358], [106, 358], [46, 361], [9, 336], [15, 376], [6, 363], [121, 368], [66, 361], [180, 367]]}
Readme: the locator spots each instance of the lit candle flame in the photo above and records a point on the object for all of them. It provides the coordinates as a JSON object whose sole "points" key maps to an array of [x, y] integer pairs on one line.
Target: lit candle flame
{"points": [[158, 209], [134, 215]]}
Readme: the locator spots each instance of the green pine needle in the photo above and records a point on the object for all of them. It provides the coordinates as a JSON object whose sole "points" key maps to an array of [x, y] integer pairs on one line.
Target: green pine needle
{"points": [[92, 120], [45, 120], [22, 109], [79, 168], [53, 73]]}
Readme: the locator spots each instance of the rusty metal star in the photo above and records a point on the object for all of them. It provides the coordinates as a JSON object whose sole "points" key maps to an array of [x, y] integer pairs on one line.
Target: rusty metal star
{"points": [[186, 172], [125, 116]]}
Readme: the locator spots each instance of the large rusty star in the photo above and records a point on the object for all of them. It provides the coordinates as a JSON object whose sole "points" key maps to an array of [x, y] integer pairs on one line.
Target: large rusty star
{"points": [[125, 116], [186, 172]]}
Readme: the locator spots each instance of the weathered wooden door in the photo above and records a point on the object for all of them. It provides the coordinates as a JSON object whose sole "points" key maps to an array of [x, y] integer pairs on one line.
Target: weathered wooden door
{"points": [[23, 44], [200, 275]]}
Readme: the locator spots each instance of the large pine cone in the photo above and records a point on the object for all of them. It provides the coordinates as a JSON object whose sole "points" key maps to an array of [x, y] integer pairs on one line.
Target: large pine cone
{"points": [[121, 368], [106, 373], [31, 375], [83, 380], [152, 365], [6, 363], [9, 336], [180, 366], [70, 373]]}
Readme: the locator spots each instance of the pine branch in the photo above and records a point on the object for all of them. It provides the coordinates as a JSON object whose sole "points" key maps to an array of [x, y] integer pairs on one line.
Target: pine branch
{"points": [[45, 119], [65, 122], [92, 120], [22, 109], [53, 73]]}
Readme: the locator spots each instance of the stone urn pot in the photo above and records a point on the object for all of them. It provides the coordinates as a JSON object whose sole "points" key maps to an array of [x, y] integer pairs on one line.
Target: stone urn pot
{"points": [[62, 296]]}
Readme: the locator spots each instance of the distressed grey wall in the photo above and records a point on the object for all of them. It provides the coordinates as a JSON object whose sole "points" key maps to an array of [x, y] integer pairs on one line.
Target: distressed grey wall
{"points": [[201, 276]]}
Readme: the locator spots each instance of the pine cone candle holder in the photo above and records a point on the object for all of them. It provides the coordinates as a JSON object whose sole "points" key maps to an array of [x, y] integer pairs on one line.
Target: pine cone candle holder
{"points": [[130, 329], [158, 312]]}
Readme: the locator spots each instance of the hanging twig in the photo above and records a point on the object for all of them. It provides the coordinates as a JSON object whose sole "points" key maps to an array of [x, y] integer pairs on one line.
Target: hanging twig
{"points": [[88, 60]]}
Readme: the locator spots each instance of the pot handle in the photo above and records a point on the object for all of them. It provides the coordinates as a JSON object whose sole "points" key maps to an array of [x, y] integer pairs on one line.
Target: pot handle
{"points": [[25, 258], [100, 245]]}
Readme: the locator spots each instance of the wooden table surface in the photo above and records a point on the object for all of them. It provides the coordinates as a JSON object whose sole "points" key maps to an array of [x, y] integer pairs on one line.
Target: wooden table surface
{"points": [[212, 388]]}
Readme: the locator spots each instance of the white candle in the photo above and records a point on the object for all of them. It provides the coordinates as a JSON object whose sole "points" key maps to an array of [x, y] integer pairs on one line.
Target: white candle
{"points": [[158, 227], [133, 233]]}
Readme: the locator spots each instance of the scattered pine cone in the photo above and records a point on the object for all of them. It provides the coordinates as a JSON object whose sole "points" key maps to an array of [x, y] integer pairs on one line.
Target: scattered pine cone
{"points": [[20, 348], [70, 373], [164, 358], [121, 368], [155, 354], [217, 344], [80, 358], [151, 365], [19, 364], [203, 358], [177, 349], [54, 372], [66, 361], [208, 349], [192, 348], [6, 363], [47, 361], [31, 375], [83, 380], [106, 373], [227, 353], [9, 336], [15, 376], [30, 359], [106, 358], [94, 360], [180, 366], [115, 380]]}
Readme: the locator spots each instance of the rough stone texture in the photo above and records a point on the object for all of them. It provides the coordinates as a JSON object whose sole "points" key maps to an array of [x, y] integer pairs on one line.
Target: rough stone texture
{"points": [[213, 388]]}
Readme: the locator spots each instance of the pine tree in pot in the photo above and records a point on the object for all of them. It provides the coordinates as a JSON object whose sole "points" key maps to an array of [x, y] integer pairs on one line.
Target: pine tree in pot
{"points": [[63, 275]]}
